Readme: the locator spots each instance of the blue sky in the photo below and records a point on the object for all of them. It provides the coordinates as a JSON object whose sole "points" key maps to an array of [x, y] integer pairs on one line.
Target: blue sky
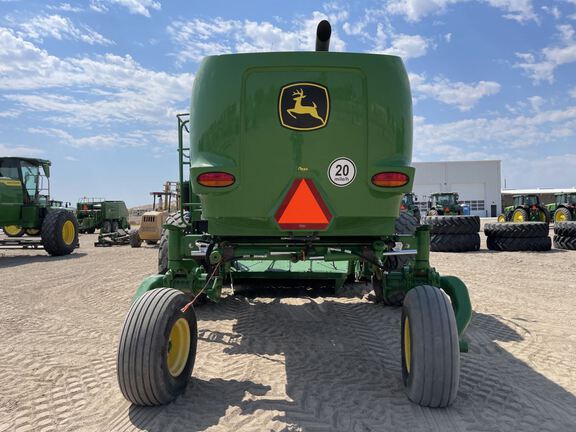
{"points": [[94, 85]]}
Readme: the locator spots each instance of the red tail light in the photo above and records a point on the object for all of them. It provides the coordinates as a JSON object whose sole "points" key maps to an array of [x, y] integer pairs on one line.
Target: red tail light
{"points": [[390, 179], [216, 179], [402, 207], [447, 210]]}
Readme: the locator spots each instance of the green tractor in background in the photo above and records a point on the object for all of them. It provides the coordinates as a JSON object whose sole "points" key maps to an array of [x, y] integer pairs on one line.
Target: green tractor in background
{"points": [[409, 205], [294, 170], [526, 208], [564, 207], [97, 213], [444, 204], [25, 206]]}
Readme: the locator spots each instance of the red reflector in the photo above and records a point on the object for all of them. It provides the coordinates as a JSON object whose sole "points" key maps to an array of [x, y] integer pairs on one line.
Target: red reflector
{"points": [[402, 207], [303, 208], [447, 210], [216, 179], [390, 179]]}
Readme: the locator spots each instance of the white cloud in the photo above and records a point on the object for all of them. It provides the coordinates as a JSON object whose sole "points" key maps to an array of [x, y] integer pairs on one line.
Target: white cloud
{"points": [[92, 92], [415, 10], [492, 135], [407, 46], [541, 67], [98, 6], [573, 92], [14, 150], [554, 11], [137, 7], [58, 27], [65, 7], [199, 38], [448, 37], [536, 102], [463, 95], [9, 114]]}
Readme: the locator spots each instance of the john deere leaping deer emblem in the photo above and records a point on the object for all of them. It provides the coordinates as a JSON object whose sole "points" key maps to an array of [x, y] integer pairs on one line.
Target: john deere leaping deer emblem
{"points": [[304, 106]]}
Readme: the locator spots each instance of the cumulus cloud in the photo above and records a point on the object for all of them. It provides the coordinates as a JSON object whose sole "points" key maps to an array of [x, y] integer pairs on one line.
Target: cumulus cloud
{"points": [[16, 150], [493, 134], [137, 7], [58, 27], [198, 38], [541, 66], [92, 91], [462, 95], [415, 10], [406, 46]]}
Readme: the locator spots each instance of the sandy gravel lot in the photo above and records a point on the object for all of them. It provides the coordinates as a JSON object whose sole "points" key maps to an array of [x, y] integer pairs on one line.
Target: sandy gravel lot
{"points": [[284, 363]]}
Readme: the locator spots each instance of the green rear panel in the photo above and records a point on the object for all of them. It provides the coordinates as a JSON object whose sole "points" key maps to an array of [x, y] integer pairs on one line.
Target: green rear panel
{"points": [[114, 210], [236, 128]]}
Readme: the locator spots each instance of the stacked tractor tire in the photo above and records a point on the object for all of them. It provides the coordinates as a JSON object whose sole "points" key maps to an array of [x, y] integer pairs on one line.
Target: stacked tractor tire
{"points": [[565, 235], [524, 236], [454, 233]]}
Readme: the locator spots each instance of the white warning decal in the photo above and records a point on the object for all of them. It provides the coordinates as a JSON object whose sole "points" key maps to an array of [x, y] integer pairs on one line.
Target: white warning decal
{"points": [[342, 172]]}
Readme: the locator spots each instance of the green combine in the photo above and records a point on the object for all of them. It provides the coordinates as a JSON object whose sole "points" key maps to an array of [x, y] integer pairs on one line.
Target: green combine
{"points": [[25, 206], [97, 213], [294, 159], [444, 204], [564, 207], [526, 208]]}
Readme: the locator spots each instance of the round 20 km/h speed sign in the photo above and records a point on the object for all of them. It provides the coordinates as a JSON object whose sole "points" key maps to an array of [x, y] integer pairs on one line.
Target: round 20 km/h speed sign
{"points": [[342, 172]]}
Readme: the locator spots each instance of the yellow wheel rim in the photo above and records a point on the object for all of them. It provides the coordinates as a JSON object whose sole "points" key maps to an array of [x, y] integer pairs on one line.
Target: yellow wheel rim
{"points": [[68, 232], [407, 345], [501, 218], [32, 231], [12, 229], [542, 216], [518, 217], [178, 347], [559, 217]]}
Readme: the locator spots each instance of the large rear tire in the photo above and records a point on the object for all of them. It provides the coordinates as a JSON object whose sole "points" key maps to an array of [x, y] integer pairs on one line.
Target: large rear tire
{"points": [[430, 348], [562, 215], [453, 224], [520, 215], [106, 227], [157, 348], [59, 232], [455, 242], [566, 229], [567, 243]]}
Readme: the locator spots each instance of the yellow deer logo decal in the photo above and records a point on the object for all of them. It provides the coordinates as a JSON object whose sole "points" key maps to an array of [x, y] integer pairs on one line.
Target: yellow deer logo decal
{"points": [[298, 108], [312, 114]]}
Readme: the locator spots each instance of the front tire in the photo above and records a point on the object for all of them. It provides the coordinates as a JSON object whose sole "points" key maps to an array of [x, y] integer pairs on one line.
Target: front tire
{"points": [[430, 348], [562, 215], [59, 232], [13, 230], [157, 348], [135, 240]]}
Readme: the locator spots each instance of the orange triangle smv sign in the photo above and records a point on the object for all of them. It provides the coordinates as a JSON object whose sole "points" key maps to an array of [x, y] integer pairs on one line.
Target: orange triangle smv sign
{"points": [[303, 208]]}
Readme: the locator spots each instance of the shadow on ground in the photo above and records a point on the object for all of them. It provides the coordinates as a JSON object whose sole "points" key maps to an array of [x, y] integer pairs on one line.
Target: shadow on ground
{"points": [[22, 259]]}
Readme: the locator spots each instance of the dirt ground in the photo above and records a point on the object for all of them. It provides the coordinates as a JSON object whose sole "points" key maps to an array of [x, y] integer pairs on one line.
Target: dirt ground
{"points": [[284, 363]]}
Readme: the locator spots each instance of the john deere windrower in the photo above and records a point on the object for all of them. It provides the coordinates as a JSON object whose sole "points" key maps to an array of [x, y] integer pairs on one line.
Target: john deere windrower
{"points": [[294, 159]]}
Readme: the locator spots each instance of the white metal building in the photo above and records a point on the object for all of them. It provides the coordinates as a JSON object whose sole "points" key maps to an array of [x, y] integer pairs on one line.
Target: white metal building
{"points": [[478, 183]]}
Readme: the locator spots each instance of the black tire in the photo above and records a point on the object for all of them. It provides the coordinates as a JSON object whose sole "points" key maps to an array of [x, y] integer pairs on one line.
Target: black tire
{"points": [[430, 347], [173, 219], [568, 243], [106, 227], [566, 229], [406, 223], [146, 374], [517, 230], [19, 233], [454, 242], [453, 224], [114, 226], [135, 240], [151, 242], [91, 231], [511, 244], [565, 212], [59, 232]]}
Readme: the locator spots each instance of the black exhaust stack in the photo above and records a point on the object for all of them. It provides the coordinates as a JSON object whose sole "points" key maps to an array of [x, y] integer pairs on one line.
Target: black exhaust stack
{"points": [[323, 33]]}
